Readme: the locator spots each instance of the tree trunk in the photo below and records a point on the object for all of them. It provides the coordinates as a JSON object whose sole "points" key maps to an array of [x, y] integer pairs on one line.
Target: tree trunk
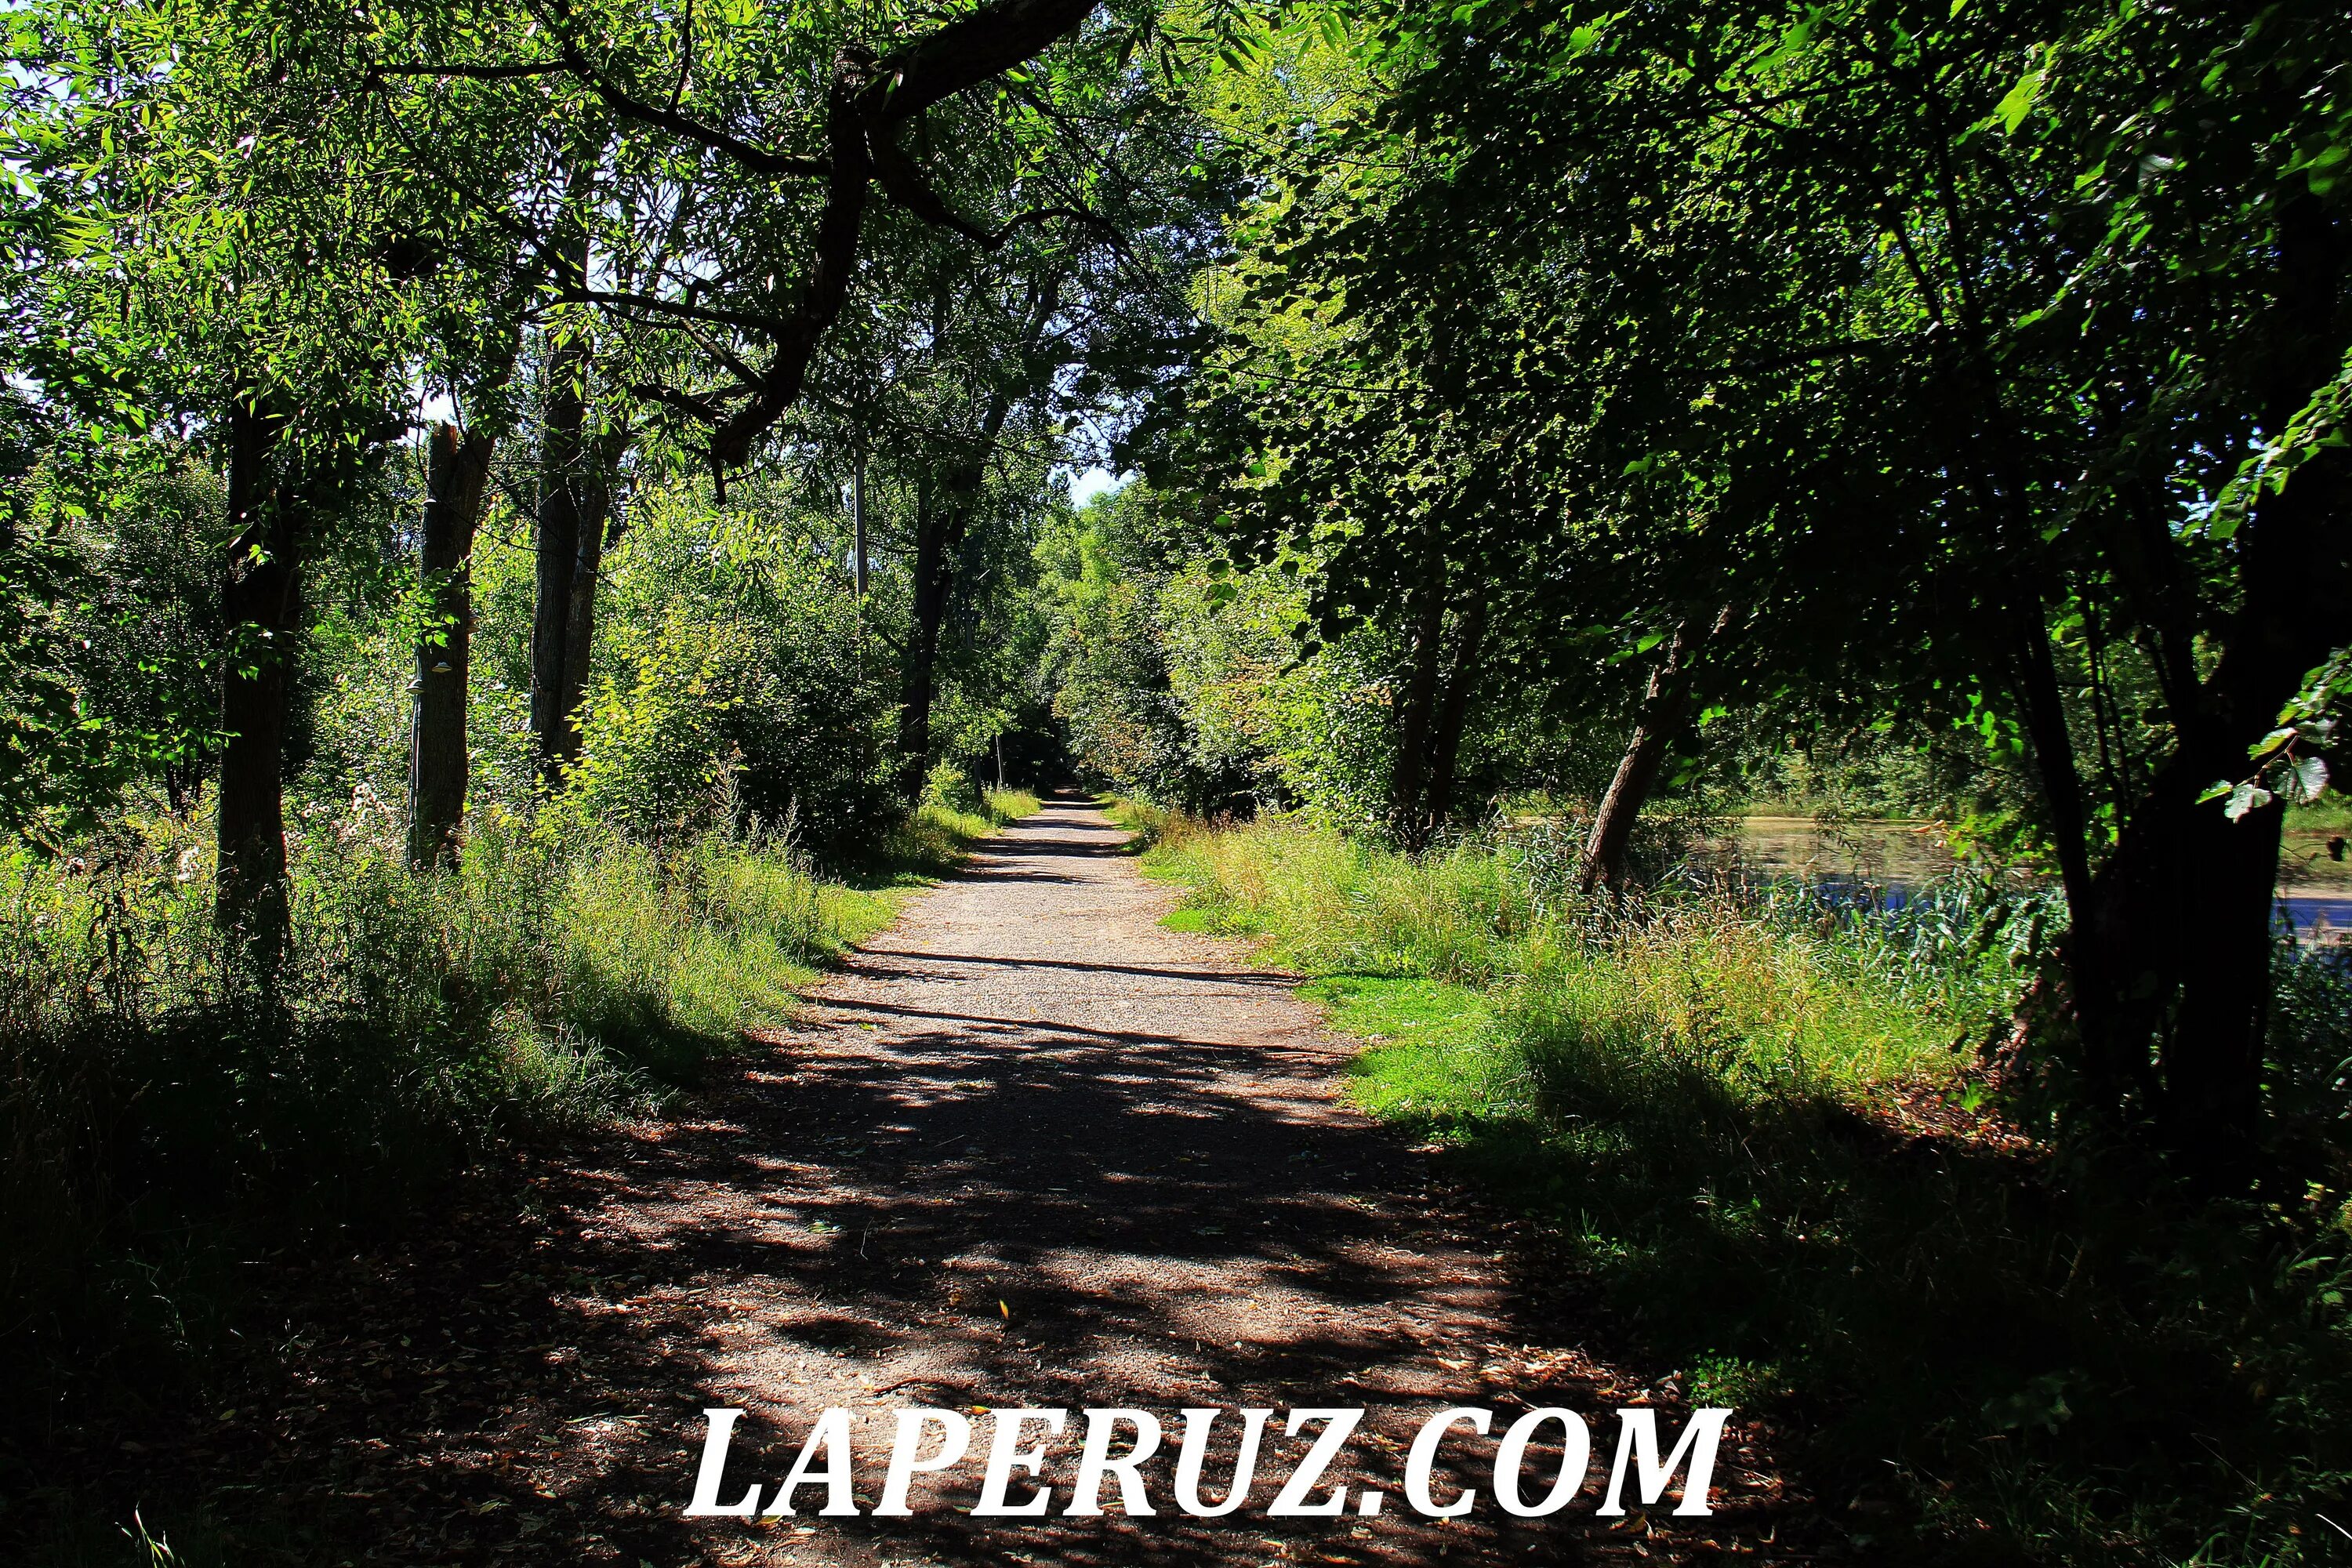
{"points": [[933, 579], [562, 515], [1461, 686], [579, 636], [2170, 958], [2034, 676], [261, 605], [1665, 708], [458, 469], [1405, 818], [857, 565], [599, 528]]}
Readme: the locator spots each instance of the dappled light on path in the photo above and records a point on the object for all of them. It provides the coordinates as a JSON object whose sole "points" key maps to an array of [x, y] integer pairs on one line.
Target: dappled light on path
{"points": [[1031, 1149]]}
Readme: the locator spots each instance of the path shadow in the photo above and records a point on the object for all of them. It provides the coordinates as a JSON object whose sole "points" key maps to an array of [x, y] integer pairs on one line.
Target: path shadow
{"points": [[949, 1206]]}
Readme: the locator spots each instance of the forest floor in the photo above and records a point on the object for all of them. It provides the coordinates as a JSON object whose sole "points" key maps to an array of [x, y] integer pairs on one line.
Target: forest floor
{"points": [[1029, 1148]]}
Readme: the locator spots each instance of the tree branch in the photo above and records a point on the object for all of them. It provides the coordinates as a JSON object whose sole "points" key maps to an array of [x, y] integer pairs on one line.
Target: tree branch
{"points": [[621, 102], [474, 73], [573, 292], [903, 183], [970, 51]]}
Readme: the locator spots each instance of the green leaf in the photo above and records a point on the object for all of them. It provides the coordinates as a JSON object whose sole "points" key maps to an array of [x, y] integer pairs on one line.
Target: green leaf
{"points": [[2245, 797], [2012, 110], [2305, 781]]}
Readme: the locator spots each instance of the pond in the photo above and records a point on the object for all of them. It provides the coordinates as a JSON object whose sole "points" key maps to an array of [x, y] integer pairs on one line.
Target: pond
{"points": [[2314, 887]]}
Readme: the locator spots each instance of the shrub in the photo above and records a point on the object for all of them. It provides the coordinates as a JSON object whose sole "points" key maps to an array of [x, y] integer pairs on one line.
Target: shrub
{"points": [[732, 693]]}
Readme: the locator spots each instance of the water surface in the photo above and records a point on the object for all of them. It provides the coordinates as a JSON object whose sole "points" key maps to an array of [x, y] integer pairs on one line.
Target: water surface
{"points": [[2314, 888]]}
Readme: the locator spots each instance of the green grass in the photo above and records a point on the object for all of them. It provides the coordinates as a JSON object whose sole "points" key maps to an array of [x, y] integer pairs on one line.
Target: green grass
{"points": [[157, 1120], [932, 841], [1431, 1054], [1144, 821], [2332, 813], [1746, 1133]]}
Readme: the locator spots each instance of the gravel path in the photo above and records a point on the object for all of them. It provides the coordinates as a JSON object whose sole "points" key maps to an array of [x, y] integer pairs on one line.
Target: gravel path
{"points": [[1028, 1149], [1038, 1150]]}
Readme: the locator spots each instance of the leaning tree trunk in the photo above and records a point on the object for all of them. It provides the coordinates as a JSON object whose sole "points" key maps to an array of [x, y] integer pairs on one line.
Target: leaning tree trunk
{"points": [[1665, 709], [458, 470], [2171, 958], [261, 589]]}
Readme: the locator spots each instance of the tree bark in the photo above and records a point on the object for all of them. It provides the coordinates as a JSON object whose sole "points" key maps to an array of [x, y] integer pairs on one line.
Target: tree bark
{"points": [[1665, 708], [261, 607], [1405, 814], [1461, 688], [2170, 956], [563, 514], [458, 469], [599, 528]]}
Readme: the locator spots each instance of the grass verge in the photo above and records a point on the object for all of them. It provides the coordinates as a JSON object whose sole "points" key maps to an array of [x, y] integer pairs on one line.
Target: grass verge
{"points": [[159, 1119], [1744, 1126]]}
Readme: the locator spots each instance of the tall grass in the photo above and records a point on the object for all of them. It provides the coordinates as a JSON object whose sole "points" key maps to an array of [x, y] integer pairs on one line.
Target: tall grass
{"points": [[1744, 1118], [1701, 995], [935, 837], [1760, 983], [1334, 905], [155, 1106]]}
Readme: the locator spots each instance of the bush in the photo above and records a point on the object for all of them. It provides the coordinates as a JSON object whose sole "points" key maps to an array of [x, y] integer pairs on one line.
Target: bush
{"points": [[735, 694], [950, 787]]}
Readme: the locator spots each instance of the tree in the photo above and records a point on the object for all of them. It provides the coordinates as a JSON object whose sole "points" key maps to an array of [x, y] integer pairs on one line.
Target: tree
{"points": [[1951, 324]]}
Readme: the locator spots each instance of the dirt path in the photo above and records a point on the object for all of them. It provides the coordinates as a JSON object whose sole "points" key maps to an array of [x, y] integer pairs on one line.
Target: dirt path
{"points": [[1030, 1149]]}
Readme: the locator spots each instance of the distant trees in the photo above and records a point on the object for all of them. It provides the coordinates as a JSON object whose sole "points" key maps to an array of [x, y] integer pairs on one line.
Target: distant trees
{"points": [[278, 234]]}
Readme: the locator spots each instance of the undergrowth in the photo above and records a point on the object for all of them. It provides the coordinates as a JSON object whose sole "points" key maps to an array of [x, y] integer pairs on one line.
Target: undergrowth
{"points": [[1751, 1118], [158, 1117]]}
